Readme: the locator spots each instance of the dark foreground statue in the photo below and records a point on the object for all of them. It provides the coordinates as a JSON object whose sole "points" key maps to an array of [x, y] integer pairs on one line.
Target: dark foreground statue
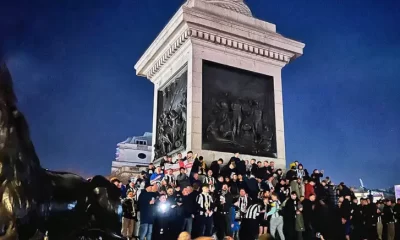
{"points": [[34, 200]]}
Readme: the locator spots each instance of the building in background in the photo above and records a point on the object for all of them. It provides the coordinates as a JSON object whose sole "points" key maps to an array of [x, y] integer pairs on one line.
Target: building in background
{"points": [[132, 156], [378, 194]]}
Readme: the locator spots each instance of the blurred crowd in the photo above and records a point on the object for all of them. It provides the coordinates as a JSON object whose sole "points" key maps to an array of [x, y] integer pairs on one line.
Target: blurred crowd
{"points": [[247, 200]]}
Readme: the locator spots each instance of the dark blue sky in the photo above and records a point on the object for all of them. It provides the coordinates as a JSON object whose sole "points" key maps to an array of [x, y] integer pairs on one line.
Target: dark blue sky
{"points": [[72, 64]]}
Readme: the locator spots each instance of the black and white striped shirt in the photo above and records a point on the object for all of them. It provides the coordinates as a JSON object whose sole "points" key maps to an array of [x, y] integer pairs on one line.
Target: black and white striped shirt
{"points": [[243, 203], [253, 211], [170, 179], [204, 202], [209, 180]]}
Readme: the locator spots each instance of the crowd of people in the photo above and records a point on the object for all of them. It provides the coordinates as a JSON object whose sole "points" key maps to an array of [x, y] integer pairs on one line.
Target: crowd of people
{"points": [[247, 200]]}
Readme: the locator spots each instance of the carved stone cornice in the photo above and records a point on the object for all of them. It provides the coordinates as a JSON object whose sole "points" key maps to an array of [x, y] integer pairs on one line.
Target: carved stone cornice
{"points": [[240, 45], [219, 40], [168, 54]]}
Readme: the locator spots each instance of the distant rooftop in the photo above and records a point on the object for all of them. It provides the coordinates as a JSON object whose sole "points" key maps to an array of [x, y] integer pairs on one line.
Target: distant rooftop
{"points": [[147, 136]]}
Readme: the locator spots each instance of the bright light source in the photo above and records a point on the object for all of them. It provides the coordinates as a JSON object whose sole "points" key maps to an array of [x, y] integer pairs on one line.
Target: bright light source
{"points": [[163, 207]]}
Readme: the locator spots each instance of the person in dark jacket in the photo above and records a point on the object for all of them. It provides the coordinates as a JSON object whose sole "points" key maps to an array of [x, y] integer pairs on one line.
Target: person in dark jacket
{"points": [[322, 192], [216, 167], [189, 208], [388, 220], [163, 162], [252, 186], [195, 179], [253, 168], [175, 199], [235, 159], [308, 216], [317, 175], [343, 214], [163, 213], [291, 174], [289, 217], [146, 203], [241, 167], [128, 215], [261, 171], [343, 190], [271, 168], [241, 183], [224, 202], [282, 190], [332, 201], [233, 187], [357, 221], [218, 184], [196, 164], [228, 170], [396, 211], [371, 218], [150, 170], [182, 179]]}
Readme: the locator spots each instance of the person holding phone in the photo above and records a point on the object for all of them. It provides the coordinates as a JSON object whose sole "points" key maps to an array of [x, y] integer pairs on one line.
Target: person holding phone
{"points": [[146, 203]]}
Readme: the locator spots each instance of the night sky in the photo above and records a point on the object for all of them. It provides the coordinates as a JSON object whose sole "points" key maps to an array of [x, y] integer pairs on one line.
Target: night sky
{"points": [[72, 63]]}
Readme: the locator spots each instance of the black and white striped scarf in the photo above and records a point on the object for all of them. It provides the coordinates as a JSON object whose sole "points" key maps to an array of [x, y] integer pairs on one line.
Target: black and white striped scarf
{"points": [[243, 202], [300, 173]]}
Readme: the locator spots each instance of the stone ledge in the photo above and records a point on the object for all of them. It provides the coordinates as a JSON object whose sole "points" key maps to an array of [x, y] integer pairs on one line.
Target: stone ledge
{"points": [[220, 40]]}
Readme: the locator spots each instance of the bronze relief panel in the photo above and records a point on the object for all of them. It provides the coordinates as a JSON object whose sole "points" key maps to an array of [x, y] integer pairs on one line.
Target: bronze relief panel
{"points": [[171, 117], [238, 111]]}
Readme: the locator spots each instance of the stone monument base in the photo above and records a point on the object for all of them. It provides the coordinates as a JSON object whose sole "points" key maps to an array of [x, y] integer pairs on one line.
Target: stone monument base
{"points": [[225, 67]]}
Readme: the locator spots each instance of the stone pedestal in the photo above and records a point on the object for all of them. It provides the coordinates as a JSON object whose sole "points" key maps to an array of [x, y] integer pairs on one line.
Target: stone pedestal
{"points": [[221, 32]]}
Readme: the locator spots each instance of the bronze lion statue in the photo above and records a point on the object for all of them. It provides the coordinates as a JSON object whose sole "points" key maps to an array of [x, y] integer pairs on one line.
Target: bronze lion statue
{"points": [[34, 200]]}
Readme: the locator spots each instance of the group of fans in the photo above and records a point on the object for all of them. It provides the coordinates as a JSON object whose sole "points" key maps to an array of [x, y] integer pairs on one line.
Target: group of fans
{"points": [[249, 200]]}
